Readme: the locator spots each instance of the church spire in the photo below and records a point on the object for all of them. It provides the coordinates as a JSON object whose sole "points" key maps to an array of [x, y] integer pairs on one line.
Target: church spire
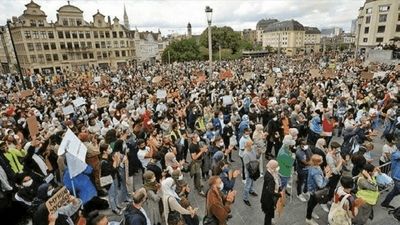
{"points": [[126, 19]]}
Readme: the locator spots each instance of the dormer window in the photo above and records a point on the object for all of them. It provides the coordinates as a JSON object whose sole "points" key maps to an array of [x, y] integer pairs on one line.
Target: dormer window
{"points": [[41, 23], [78, 22], [33, 23], [65, 22], [99, 22]]}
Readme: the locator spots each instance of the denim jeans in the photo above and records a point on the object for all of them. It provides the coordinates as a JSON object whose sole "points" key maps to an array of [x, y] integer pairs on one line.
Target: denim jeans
{"points": [[284, 181], [113, 195], [248, 187], [395, 191], [301, 180], [122, 190]]}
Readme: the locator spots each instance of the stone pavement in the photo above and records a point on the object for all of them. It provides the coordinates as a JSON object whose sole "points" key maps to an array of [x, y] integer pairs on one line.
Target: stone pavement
{"points": [[294, 212]]}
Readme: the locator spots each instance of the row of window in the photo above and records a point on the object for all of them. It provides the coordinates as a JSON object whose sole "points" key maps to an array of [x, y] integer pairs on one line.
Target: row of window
{"points": [[378, 39], [382, 8], [381, 29], [75, 45], [382, 18], [72, 34], [42, 58]]}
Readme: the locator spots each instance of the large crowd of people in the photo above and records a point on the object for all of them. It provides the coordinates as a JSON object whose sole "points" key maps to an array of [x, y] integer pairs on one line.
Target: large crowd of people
{"points": [[171, 124]]}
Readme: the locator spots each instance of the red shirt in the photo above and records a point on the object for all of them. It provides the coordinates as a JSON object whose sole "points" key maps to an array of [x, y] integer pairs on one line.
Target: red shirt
{"points": [[327, 126]]}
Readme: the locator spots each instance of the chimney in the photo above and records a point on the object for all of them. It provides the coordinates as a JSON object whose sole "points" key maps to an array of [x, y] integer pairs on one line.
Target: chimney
{"points": [[109, 20]]}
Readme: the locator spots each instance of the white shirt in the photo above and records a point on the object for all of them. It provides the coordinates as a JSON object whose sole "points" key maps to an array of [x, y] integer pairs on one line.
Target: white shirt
{"points": [[387, 149], [141, 155], [145, 215]]}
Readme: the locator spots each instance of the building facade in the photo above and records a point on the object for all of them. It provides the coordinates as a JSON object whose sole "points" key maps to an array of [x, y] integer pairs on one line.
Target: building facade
{"points": [[70, 43], [312, 39], [148, 50], [331, 32], [378, 22], [261, 27], [8, 62], [291, 37]]}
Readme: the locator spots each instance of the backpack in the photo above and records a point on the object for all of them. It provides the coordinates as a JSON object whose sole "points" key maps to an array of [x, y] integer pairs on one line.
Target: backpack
{"points": [[395, 213], [337, 215], [350, 146], [253, 167]]}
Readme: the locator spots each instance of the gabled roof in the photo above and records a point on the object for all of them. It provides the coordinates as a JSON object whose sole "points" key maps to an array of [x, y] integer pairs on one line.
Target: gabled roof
{"points": [[289, 25], [264, 23], [312, 30]]}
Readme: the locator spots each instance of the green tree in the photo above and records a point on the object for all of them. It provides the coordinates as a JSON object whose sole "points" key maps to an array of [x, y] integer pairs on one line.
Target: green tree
{"points": [[183, 50], [225, 37]]}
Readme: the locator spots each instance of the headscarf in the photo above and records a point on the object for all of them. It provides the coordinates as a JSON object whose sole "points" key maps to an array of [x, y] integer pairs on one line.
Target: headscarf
{"points": [[166, 187], [149, 185], [170, 160], [271, 167], [320, 144]]}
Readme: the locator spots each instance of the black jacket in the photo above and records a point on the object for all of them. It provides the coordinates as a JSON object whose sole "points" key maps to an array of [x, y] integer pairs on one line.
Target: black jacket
{"points": [[134, 216], [268, 196]]}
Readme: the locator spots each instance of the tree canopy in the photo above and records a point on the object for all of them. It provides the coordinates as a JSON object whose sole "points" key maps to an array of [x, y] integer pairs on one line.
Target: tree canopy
{"points": [[225, 37], [183, 50]]}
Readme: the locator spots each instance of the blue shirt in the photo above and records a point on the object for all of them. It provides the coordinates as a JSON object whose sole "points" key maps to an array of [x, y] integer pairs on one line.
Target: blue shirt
{"points": [[315, 125], [316, 179], [396, 165]]}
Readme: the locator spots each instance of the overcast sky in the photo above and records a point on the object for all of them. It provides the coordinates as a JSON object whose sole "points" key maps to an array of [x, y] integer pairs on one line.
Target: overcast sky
{"points": [[171, 16]]}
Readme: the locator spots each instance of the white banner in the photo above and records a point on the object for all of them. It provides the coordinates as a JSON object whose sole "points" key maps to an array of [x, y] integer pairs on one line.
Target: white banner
{"points": [[73, 145]]}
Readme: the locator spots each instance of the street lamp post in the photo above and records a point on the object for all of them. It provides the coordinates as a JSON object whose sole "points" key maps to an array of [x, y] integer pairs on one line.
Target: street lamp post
{"points": [[16, 56], [209, 17]]}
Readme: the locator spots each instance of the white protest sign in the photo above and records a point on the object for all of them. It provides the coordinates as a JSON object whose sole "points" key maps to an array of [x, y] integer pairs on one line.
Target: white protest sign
{"points": [[79, 101], [161, 93], [97, 79], [115, 80], [227, 100], [380, 74], [73, 145], [75, 166], [276, 69], [68, 110]]}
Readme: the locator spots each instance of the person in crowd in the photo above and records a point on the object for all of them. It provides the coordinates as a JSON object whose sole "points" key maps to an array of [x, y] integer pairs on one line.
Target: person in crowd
{"points": [[320, 149], [135, 213], [63, 215], [243, 140], [367, 190], [303, 157], [227, 134], [259, 138], [351, 204], [151, 206], [335, 163], [387, 150], [275, 134], [315, 127], [228, 176], [197, 151], [218, 205], [144, 154], [285, 161], [395, 171], [249, 155], [316, 180], [271, 191], [171, 200]]}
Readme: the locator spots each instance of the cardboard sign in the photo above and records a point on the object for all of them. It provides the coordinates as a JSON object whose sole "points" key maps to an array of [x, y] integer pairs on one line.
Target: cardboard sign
{"points": [[102, 102], [59, 91], [225, 75], [315, 73], [71, 143], [78, 102], [33, 126], [157, 79], [26, 93], [270, 81], [329, 74], [276, 69], [227, 100], [248, 75], [367, 75], [57, 200], [380, 74], [397, 67], [68, 110], [161, 93]]}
